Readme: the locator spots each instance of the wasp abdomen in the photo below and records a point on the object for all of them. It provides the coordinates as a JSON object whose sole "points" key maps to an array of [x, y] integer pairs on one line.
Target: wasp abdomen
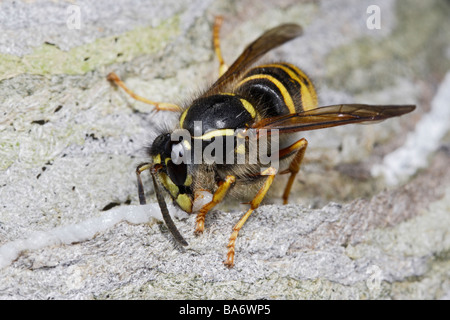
{"points": [[278, 89]]}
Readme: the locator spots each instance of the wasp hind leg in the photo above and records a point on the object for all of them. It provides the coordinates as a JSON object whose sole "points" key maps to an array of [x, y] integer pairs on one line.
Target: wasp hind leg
{"points": [[217, 198], [112, 77], [216, 42], [299, 147], [270, 173]]}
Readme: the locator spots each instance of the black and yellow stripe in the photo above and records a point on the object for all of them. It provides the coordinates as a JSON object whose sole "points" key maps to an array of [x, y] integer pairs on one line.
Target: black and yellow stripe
{"points": [[277, 89]]}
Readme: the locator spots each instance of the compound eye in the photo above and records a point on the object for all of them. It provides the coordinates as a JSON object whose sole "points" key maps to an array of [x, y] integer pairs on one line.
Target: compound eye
{"points": [[177, 153]]}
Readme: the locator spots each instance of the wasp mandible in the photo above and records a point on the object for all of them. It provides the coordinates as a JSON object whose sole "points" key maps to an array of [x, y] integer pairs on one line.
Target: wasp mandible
{"points": [[261, 100]]}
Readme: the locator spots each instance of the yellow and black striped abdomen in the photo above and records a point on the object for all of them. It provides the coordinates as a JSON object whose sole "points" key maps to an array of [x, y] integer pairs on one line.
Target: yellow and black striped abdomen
{"points": [[277, 89]]}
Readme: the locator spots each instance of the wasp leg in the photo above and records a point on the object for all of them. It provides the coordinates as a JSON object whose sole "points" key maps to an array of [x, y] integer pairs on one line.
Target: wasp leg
{"points": [[294, 167], [270, 172], [216, 41], [158, 105], [217, 198], [141, 168]]}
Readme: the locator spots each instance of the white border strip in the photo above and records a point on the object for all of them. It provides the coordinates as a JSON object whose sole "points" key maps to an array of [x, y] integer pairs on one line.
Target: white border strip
{"points": [[424, 140]]}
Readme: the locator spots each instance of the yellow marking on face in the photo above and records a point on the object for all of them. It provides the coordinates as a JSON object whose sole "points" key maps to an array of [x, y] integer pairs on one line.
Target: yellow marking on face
{"points": [[286, 96], [169, 185], [184, 202], [188, 180], [157, 159]]}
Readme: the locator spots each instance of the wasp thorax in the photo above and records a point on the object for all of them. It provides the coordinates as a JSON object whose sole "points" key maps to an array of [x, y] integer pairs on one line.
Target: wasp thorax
{"points": [[217, 112]]}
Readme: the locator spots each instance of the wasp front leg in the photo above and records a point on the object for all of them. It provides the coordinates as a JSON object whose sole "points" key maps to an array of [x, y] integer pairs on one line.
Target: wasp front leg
{"points": [[270, 173], [158, 105], [217, 198], [141, 168]]}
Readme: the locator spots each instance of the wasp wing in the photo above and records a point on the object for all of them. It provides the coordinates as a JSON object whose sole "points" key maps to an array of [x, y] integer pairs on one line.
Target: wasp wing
{"points": [[331, 116], [266, 42]]}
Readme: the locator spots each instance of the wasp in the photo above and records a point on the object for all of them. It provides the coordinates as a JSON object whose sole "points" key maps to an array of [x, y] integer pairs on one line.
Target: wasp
{"points": [[266, 99]]}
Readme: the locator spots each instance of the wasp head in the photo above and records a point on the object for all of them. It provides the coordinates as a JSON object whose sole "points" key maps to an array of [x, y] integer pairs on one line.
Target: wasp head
{"points": [[169, 150]]}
